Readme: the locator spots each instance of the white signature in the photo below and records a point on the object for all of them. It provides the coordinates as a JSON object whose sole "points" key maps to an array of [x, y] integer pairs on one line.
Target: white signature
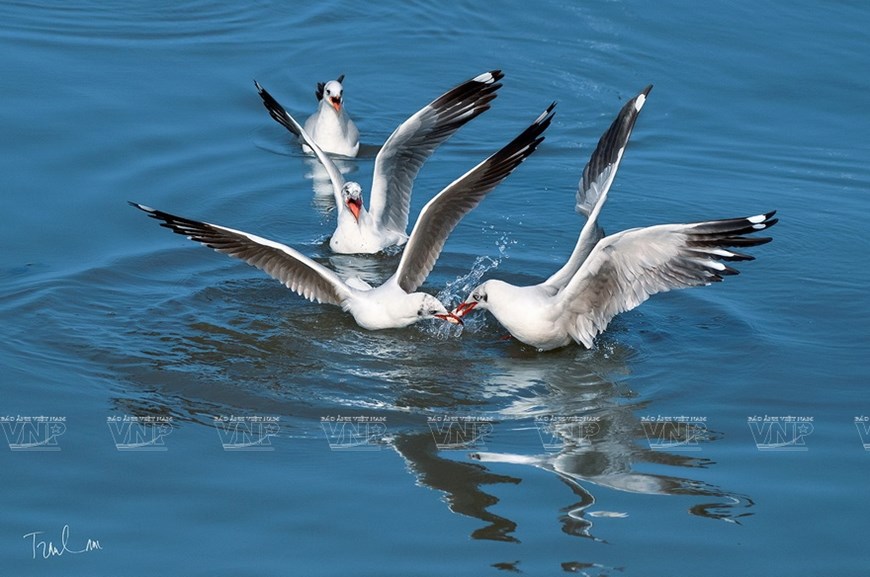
{"points": [[48, 549]]}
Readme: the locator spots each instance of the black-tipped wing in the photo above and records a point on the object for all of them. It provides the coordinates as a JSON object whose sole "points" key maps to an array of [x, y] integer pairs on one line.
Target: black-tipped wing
{"points": [[277, 112], [599, 172], [297, 272], [405, 151], [595, 182], [627, 268], [283, 118], [441, 214]]}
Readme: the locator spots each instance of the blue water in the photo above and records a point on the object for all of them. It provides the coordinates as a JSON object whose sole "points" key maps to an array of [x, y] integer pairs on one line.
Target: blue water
{"points": [[118, 332]]}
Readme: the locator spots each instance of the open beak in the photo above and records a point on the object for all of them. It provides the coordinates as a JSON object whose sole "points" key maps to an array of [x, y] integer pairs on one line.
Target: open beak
{"points": [[355, 206], [450, 318], [463, 309], [336, 103]]}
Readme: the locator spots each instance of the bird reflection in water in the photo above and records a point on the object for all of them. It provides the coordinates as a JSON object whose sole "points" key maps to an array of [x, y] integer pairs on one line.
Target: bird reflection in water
{"points": [[604, 456]]}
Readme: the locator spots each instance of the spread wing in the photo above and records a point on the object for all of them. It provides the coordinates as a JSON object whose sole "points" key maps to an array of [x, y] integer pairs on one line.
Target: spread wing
{"points": [[625, 269], [441, 214], [414, 141], [595, 182], [297, 272]]}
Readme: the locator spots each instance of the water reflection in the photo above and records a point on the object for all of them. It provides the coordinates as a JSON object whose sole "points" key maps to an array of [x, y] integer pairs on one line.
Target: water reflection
{"points": [[574, 417], [460, 482], [245, 346], [321, 185], [579, 467], [587, 435], [324, 196], [373, 269]]}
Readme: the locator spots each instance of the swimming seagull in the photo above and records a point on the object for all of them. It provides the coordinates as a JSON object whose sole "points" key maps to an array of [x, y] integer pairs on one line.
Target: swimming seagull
{"points": [[616, 273], [330, 126], [396, 166], [393, 304]]}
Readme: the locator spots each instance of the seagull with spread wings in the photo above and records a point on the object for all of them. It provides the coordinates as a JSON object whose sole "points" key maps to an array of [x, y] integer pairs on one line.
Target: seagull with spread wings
{"points": [[395, 303], [607, 275], [383, 224]]}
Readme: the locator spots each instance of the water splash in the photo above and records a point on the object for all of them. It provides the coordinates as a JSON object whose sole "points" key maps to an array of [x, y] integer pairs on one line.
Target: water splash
{"points": [[459, 288]]}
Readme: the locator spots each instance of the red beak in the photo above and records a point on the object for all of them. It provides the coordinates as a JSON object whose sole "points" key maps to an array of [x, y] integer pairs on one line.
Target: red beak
{"points": [[355, 205], [450, 318], [463, 309], [336, 103]]}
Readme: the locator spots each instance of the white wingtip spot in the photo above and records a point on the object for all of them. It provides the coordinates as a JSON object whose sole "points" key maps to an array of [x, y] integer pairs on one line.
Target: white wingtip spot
{"points": [[639, 102], [759, 226], [716, 265], [722, 252], [486, 78], [544, 114], [757, 218]]}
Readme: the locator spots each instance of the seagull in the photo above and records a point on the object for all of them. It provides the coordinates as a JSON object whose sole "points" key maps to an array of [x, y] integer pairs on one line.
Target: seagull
{"points": [[394, 304], [607, 275], [330, 126], [383, 224]]}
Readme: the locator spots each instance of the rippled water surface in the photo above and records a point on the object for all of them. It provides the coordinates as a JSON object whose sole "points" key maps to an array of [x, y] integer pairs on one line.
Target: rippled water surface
{"points": [[167, 409]]}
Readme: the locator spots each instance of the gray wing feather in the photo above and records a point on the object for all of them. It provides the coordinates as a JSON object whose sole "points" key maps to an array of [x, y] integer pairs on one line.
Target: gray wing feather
{"points": [[297, 272], [626, 268], [414, 141], [441, 214], [599, 172], [598, 176]]}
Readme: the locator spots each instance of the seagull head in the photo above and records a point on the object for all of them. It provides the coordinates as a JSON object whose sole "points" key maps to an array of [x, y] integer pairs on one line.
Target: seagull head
{"points": [[351, 195], [478, 298], [333, 93], [431, 308]]}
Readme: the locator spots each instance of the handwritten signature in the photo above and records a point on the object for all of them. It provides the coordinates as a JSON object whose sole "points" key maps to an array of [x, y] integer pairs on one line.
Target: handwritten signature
{"points": [[47, 549]]}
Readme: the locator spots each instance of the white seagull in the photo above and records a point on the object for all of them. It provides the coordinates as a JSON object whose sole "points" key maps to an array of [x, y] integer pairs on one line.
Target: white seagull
{"points": [[393, 304], [330, 126], [607, 275], [396, 165]]}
